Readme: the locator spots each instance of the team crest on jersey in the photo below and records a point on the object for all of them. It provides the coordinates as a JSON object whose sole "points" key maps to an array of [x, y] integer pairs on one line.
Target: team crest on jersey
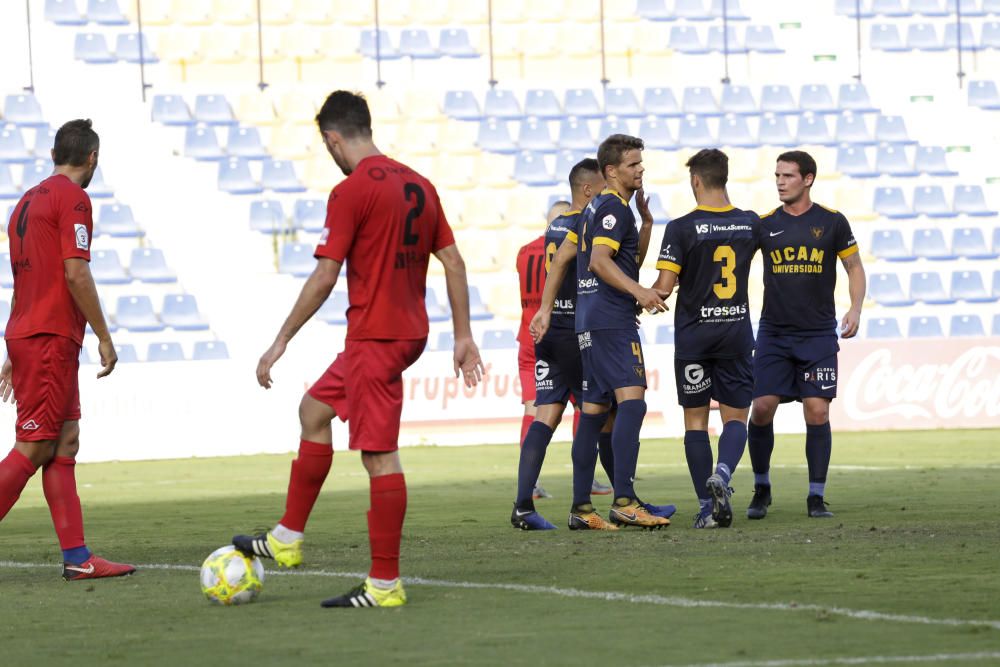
{"points": [[609, 222], [817, 232], [82, 237], [640, 371]]}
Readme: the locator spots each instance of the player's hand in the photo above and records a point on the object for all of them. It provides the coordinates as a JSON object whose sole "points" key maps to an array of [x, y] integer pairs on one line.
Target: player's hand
{"points": [[6, 382], [850, 323], [109, 357], [468, 362], [539, 325], [651, 300], [267, 360], [642, 205]]}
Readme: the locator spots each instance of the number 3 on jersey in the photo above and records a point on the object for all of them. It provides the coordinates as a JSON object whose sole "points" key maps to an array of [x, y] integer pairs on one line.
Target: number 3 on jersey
{"points": [[727, 287], [415, 192]]}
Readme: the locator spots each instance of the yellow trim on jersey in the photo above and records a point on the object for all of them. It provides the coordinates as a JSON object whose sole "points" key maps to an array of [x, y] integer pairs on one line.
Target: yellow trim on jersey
{"points": [[847, 252], [572, 238], [563, 215], [611, 243], [669, 266], [831, 210], [771, 212], [715, 209], [609, 191]]}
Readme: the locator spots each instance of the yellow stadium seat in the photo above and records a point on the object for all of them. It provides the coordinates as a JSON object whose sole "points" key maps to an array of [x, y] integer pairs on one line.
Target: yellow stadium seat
{"points": [[267, 42], [453, 172], [234, 12], [538, 41], [619, 39], [277, 12], [479, 250], [193, 12], [747, 165], [765, 198], [294, 142], [452, 203], [384, 106], [853, 201], [180, 46], [394, 12], [431, 12], [494, 171], [315, 12], [482, 211], [580, 40], [457, 138], [302, 44], [256, 108], [224, 47], [417, 138], [154, 12], [353, 12], [341, 44], [663, 167], [321, 173], [509, 11], [296, 107], [650, 38], [622, 11], [421, 106], [553, 11], [525, 208]]}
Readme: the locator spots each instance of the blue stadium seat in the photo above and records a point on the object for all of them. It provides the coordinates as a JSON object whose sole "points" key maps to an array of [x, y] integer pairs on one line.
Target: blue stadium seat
{"points": [[565, 161], [853, 161], [883, 327], [665, 334], [149, 266], [23, 109], [213, 110], [12, 148], [660, 102], [886, 37], [734, 131], [4, 316], [165, 352], [8, 190], [542, 103], [892, 161], [35, 172], [135, 313], [692, 10], [245, 142], [493, 136], [990, 36], [928, 8], [992, 7], [462, 105], [969, 200], [694, 133], [777, 99], [582, 103], [685, 39], [455, 43], [201, 143], [384, 49], [574, 134], [655, 134], [416, 43], [171, 110], [930, 244], [924, 327], [437, 311], [849, 8], [854, 97], [701, 101], [297, 259], [64, 12], [737, 99], [45, 139], [477, 308], [891, 203], [107, 268], [92, 48], [612, 125], [996, 325], [530, 169], [952, 33], [445, 342], [813, 131], [117, 220], [970, 8], [534, 136], [888, 244], [180, 312], [760, 39], [267, 215], [655, 10], [923, 37], [502, 104], [127, 48], [892, 130], [893, 8], [932, 160], [884, 288], [996, 239], [210, 350], [852, 129], [309, 214], [98, 188], [334, 309], [126, 353], [499, 339], [968, 286], [732, 9], [279, 176], [732, 43], [927, 287], [983, 94], [966, 325], [774, 131], [622, 102], [816, 97], [970, 243], [657, 209], [6, 273], [929, 200], [105, 12]]}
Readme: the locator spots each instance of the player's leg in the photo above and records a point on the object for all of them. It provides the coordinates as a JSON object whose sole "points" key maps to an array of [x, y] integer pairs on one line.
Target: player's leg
{"points": [[607, 457], [529, 466], [817, 378], [593, 417], [694, 380], [732, 387], [18, 467], [774, 378]]}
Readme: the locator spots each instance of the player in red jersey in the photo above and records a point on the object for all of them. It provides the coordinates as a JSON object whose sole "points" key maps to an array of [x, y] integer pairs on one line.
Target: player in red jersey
{"points": [[385, 220], [54, 299]]}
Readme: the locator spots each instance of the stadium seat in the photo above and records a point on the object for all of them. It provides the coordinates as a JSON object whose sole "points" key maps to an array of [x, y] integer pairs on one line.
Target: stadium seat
{"points": [[135, 313], [886, 37], [416, 43], [437, 311], [455, 43], [996, 325], [126, 353], [892, 130], [127, 48], [933, 8], [35, 172], [927, 287], [929, 200], [734, 131], [99, 188], [612, 125], [884, 289], [891, 203], [213, 110], [694, 133], [445, 342], [462, 105], [201, 143], [968, 286], [171, 110], [777, 99], [932, 160], [309, 215], [23, 110], [854, 97], [12, 148], [853, 161], [149, 266], [4, 316], [6, 272], [660, 102], [180, 312], [700, 100], [383, 48], [970, 243], [542, 103], [891, 160], [692, 10], [574, 134], [685, 39], [280, 176], [966, 325], [64, 12], [969, 200], [235, 178], [655, 10], [732, 8], [774, 131], [930, 244], [990, 36], [494, 136], [267, 215], [952, 34], [883, 327], [534, 136], [8, 190], [334, 309], [813, 131], [996, 239], [731, 43], [992, 7], [45, 139], [210, 350], [892, 8], [530, 169], [107, 268], [817, 99], [665, 334], [888, 244], [117, 220], [245, 142], [655, 134], [297, 259], [499, 339], [983, 94], [760, 39], [477, 308], [923, 37], [502, 104], [165, 352], [970, 8], [622, 102], [924, 327], [737, 99], [849, 8], [92, 49], [852, 129], [582, 103]]}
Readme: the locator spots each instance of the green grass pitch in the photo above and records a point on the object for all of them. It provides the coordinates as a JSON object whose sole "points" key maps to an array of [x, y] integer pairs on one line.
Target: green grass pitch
{"points": [[916, 539]]}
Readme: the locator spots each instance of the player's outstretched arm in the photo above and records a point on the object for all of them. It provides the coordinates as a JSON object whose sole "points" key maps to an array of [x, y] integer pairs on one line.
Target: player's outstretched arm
{"points": [[646, 228], [466, 357], [81, 287], [314, 293], [856, 287], [557, 272], [603, 264]]}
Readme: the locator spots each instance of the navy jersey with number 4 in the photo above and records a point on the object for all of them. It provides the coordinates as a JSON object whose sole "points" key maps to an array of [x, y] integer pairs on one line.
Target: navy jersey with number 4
{"points": [[609, 221], [562, 228], [710, 250], [800, 269]]}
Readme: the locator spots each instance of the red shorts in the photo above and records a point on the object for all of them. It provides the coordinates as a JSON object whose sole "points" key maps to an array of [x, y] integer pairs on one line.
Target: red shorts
{"points": [[364, 385], [526, 370], [46, 385]]}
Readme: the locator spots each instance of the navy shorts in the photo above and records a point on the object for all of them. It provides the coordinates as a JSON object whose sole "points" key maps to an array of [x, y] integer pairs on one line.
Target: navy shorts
{"points": [[795, 367], [558, 370], [729, 381], [612, 359]]}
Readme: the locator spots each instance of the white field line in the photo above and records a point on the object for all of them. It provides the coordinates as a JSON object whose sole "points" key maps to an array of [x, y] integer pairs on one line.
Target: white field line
{"points": [[607, 596], [863, 660]]}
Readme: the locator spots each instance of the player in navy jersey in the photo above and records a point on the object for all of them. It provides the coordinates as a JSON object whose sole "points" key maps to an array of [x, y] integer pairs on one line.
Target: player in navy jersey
{"points": [[709, 251], [796, 355]]}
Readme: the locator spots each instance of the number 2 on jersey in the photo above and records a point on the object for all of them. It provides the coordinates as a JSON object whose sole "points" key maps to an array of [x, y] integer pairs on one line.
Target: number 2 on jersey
{"points": [[727, 288], [412, 189]]}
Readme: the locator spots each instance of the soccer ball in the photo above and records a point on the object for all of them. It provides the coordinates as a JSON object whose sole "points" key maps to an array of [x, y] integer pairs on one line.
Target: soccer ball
{"points": [[229, 577]]}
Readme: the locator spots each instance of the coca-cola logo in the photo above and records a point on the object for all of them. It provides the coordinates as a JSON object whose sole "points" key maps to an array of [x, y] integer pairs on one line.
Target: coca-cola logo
{"points": [[966, 386]]}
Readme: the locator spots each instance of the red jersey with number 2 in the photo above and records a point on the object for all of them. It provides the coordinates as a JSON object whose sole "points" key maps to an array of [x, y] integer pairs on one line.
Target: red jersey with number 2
{"points": [[50, 224], [385, 220], [531, 274]]}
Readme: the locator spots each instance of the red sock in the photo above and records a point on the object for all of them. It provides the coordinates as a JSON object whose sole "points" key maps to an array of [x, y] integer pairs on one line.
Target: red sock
{"points": [[385, 524], [15, 471], [526, 422], [59, 484], [309, 471]]}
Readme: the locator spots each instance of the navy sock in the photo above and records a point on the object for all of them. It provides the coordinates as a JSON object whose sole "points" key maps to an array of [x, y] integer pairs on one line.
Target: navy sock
{"points": [[607, 455], [698, 452], [819, 446], [732, 442], [625, 443], [76, 555], [530, 465], [584, 455], [760, 443]]}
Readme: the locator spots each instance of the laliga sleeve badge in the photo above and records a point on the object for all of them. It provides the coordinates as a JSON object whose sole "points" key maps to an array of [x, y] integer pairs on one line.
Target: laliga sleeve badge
{"points": [[82, 237], [609, 222], [324, 235]]}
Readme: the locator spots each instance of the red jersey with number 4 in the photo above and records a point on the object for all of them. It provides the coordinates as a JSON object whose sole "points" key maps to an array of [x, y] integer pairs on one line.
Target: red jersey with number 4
{"points": [[386, 220], [531, 274], [50, 224]]}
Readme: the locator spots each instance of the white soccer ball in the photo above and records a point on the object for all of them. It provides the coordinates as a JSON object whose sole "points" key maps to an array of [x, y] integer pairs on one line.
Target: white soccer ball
{"points": [[229, 577]]}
